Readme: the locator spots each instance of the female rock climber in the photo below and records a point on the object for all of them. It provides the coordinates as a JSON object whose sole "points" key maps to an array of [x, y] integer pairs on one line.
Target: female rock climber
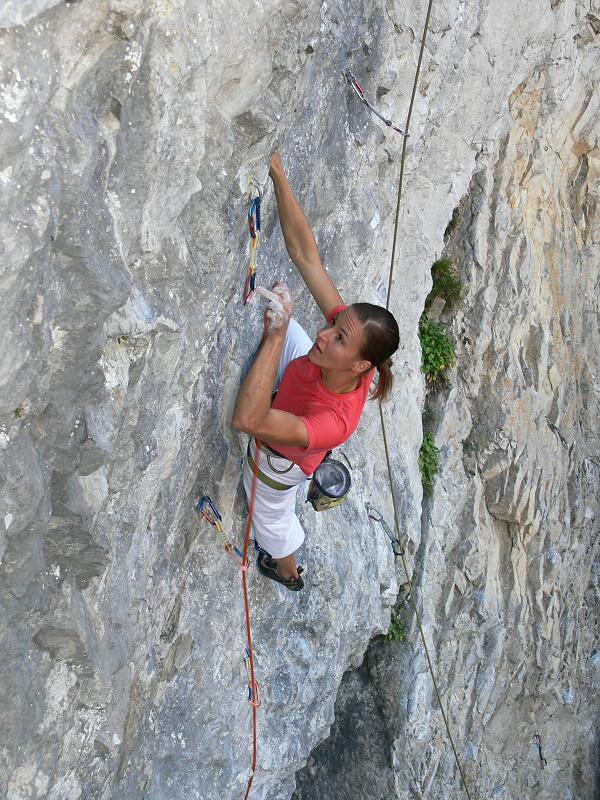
{"points": [[322, 389]]}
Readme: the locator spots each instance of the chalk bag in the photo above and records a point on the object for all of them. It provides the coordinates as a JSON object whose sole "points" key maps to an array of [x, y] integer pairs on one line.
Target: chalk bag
{"points": [[329, 485]]}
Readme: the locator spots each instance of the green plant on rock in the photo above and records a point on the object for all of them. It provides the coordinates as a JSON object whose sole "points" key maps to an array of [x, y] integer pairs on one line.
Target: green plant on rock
{"points": [[428, 462], [437, 352], [18, 412], [446, 283], [396, 631]]}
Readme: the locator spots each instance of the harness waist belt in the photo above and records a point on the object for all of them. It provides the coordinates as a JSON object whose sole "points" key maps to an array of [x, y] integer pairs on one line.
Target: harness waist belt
{"points": [[264, 446], [280, 487]]}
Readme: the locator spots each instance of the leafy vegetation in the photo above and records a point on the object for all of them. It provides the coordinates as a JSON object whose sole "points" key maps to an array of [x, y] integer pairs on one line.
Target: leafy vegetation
{"points": [[437, 352], [428, 462], [18, 412], [446, 283], [396, 631]]}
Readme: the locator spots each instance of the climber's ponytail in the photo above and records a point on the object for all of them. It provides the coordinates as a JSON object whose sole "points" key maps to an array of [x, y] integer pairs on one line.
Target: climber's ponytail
{"points": [[385, 381], [381, 340]]}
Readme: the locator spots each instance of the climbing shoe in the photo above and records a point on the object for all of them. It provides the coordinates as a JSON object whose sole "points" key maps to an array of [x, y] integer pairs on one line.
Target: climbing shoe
{"points": [[268, 567]]}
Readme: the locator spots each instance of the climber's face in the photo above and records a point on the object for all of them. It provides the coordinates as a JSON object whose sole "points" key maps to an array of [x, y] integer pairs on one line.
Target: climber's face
{"points": [[337, 346]]}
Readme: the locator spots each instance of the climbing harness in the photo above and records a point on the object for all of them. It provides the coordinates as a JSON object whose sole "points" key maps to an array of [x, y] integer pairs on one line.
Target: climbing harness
{"points": [[260, 475], [209, 511], [254, 230], [329, 485], [274, 468], [376, 516], [537, 739], [360, 93], [270, 454]]}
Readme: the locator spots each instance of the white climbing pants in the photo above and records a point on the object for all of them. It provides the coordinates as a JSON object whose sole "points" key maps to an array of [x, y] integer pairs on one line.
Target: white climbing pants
{"points": [[275, 526]]}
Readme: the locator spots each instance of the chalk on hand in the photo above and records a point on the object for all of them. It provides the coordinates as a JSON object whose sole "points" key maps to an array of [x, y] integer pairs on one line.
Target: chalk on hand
{"points": [[270, 296]]}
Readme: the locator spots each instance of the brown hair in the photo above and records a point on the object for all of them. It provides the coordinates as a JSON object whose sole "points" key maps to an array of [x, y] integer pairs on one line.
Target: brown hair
{"points": [[381, 338]]}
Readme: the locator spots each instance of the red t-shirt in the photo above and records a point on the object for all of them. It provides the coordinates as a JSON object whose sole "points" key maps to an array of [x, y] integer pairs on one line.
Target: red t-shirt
{"points": [[330, 418]]}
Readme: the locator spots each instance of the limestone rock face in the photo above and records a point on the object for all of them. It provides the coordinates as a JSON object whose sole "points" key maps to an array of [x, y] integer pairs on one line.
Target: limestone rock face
{"points": [[507, 571], [129, 133]]}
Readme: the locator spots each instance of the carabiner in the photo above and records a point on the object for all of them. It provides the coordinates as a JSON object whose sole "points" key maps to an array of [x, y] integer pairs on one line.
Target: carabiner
{"points": [[377, 516], [360, 93], [212, 515], [373, 514], [254, 214]]}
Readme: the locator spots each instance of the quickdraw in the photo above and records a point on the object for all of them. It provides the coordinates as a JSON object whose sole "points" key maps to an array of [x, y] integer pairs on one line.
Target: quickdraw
{"points": [[254, 229], [360, 93], [209, 511], [253, 685], [376, 516]]}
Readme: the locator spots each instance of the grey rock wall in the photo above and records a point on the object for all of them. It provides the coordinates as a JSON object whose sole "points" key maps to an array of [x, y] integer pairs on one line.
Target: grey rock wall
{"points": [[507, 569], [129, 132]]}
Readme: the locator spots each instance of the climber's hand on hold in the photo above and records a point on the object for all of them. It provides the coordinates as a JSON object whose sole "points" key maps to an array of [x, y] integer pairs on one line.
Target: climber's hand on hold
{"points": [[279, 311], [281, 289], [276, 165]]}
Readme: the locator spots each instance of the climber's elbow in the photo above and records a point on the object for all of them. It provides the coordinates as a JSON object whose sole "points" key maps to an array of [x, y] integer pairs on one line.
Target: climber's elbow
{"points": [[246, 415], [243, 422], [238, 423]]}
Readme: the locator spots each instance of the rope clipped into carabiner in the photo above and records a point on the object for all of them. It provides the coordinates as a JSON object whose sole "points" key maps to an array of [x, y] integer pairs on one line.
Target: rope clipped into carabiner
{"points": [[253, 685], [376, 516], [209, 511], [360, 93], [254, 230]]}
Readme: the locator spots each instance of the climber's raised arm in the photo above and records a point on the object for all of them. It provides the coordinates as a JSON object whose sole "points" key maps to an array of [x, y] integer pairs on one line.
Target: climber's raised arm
{"points": [[300, 241]]}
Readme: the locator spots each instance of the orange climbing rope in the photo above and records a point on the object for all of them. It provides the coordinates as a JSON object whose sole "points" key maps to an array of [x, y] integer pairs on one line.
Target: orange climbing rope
{"points": [[253, 687], [210, 513]]}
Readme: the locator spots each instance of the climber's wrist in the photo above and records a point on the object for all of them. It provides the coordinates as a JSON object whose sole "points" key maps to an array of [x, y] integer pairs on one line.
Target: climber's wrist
{"points": [[276, 171], [280, 331], [277, 175], [275, 333]]}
